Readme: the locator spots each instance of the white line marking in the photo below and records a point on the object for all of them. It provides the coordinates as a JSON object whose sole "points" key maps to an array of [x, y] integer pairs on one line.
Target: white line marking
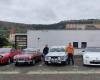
{"points": [[40, 65], [9, 72], [64, 72], [50, 72]]}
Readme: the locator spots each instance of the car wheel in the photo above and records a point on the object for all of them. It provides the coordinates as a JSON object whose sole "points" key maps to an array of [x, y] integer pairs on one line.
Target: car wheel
{"points": [[85, 65], [46, 62], [33, 62], [16, 64], [9, 61], [41, 58], [65, 62]]}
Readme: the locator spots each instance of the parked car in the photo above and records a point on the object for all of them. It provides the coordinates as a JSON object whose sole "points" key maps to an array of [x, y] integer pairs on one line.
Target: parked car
{"points": [[56, 54], [7, 54], [29, 56], [91, 56]]}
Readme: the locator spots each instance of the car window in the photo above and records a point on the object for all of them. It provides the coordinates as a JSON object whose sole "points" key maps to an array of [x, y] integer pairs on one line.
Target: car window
{"points": [[3, 51], [57, 50], [29, 52], [93, 49]]}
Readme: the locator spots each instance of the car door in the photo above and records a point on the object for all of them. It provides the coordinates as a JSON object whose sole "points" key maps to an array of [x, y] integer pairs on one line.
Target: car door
{"points": [[39, 55], [34, 55]]}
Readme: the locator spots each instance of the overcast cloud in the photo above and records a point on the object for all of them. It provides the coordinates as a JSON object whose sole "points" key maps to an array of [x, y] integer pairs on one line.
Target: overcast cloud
{"points": [[48, 11]]}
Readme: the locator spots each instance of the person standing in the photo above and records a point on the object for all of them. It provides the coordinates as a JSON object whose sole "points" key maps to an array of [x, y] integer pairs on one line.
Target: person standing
{"points": [[45, 50], [70, 51]]}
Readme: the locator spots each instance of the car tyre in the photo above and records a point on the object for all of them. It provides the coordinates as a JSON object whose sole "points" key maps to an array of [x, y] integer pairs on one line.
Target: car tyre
{"points": [[46, 63], [64, 63], [16, 64], [9, 61], [33, 62], [85, 65], [41, 58]]}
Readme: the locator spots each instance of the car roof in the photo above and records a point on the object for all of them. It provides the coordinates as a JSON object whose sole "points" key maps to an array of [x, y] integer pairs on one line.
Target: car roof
{"points": [[93, 47], [5, 48], [30, 49], [58, 46]]}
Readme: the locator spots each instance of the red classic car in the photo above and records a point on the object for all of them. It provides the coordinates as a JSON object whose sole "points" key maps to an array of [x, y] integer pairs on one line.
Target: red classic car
{"points": [[7, 54], [28, 55]]}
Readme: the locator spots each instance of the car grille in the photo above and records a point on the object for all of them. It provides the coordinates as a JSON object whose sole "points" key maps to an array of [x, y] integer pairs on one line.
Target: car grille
{"points": [[21, 59], [54, 57], [95, 62]]}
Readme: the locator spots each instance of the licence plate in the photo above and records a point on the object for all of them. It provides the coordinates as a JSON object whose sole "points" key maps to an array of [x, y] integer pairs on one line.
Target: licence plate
{"points": [[22, 61]]}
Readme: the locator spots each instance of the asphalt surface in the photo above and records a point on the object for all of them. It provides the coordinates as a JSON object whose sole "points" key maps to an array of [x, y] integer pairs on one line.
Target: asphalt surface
{"points": [[78, 66], [50, 77], [50, 72]]}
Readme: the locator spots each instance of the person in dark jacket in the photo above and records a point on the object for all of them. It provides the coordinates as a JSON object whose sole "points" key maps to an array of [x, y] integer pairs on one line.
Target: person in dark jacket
{"points": [[45, 50]]}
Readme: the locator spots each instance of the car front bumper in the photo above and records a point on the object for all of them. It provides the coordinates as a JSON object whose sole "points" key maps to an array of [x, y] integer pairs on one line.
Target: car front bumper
{"points": [[23, 61], [55, 61], [91, 62]]}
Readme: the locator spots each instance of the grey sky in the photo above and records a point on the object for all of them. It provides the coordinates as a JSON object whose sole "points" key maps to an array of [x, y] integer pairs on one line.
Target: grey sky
{"points": [[48, 11]]}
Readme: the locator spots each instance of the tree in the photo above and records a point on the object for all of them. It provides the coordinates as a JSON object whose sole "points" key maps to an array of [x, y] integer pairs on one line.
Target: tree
{"points": [[3, 42]]}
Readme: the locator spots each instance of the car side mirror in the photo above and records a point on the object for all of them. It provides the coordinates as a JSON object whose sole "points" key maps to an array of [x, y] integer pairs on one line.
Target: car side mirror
{"points": [[12, 50]]}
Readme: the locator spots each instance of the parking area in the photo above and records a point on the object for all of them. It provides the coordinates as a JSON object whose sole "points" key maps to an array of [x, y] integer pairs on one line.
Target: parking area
{"points": [[51, 72], [41, 67]]}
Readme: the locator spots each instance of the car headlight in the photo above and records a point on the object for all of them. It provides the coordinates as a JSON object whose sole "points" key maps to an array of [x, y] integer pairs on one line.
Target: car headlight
{"points": [[59, 58], [47, 58], [14, 57], [1, 56], [63, 57]]}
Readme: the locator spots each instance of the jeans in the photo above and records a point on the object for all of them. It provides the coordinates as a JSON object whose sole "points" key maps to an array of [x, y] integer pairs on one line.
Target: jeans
{"points": [[70, 58]]}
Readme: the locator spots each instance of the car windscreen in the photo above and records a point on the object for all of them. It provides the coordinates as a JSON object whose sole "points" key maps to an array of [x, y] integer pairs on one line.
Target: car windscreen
{"points": [[57, 50], [28, 52], [3, 51], [92, 49]]}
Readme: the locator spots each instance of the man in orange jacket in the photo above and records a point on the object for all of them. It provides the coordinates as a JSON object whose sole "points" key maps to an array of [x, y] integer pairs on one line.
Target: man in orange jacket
{"points": [[70, 51]]}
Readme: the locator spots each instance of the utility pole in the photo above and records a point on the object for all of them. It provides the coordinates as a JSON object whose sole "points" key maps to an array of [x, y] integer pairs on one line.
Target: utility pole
{"points": [[38, 43]]}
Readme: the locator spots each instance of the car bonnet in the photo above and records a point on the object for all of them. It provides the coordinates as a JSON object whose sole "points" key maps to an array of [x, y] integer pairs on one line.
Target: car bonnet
{"points": [[56, 54], [92, 54]]}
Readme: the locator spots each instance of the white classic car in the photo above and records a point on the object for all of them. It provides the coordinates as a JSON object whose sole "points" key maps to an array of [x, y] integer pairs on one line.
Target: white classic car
{"points": [[91, 56], [56, 54]]}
